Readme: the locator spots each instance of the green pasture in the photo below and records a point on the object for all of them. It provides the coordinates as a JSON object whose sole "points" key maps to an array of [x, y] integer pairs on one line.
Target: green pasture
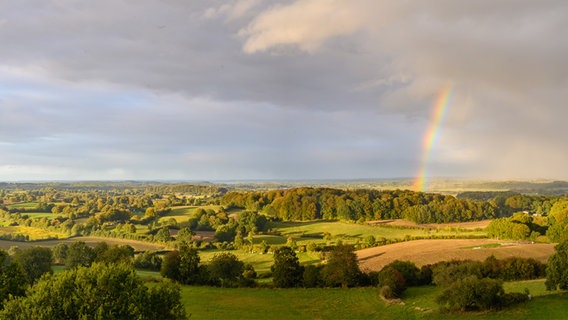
{"points": [[184, 213], [305, 232], [26, 205], [48, 215], [260, 262], [354, 303]]}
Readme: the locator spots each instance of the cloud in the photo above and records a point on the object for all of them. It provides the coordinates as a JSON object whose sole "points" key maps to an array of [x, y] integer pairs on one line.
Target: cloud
{"points": [[280, 89]]}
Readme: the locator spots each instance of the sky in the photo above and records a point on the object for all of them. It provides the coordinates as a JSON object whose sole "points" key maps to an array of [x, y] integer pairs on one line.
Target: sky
{"points": [[295, 89]]}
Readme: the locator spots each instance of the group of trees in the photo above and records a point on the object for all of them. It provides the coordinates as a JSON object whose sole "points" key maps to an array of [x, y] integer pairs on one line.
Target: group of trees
{"points": [[325, 203], [340, 269], [102, 291], [99, 283], [224, 269]]}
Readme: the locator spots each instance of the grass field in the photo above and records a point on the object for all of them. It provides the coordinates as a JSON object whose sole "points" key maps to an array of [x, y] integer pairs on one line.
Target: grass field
{"points": [[356, 303], [260, 262], [92, 241], [48, 215], [305, 232], [27, 205], [182, 214]]}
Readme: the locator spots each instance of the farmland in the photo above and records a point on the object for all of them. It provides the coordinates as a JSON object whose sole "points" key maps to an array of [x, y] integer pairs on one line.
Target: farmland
{"points": [[356, 303], [424, 252]]}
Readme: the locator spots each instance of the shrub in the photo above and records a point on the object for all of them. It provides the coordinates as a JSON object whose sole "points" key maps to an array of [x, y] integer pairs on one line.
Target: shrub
{"points": [[472, 293]]}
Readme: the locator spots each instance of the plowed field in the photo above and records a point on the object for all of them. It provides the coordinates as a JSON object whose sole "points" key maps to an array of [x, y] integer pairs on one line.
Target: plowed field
{"points": [[423, 252]]}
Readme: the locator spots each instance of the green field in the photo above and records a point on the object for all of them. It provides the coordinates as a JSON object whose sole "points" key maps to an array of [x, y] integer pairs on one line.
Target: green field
{"points": [[41, 215], [182, 214], [27, 205], [305, 232], [260, 262], [356, 303]]}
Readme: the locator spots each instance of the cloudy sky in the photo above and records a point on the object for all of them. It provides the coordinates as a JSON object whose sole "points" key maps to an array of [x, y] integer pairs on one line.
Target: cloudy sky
{"points": [[295, 89]]}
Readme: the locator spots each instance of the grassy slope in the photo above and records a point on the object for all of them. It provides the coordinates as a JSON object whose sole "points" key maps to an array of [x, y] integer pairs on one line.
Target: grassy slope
{"points": [[357, 303]]}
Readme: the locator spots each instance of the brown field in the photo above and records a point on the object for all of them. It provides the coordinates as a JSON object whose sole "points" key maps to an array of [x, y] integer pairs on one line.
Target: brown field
{"points": [[423, 252], [405, 223], [92, 241]]}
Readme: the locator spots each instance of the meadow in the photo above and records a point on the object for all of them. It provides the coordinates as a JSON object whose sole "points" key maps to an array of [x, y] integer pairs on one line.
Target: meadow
{"points": [[355, 303]]}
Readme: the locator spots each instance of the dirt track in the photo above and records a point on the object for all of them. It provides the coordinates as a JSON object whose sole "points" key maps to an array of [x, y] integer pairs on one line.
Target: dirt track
{"points": [[424, 252]]}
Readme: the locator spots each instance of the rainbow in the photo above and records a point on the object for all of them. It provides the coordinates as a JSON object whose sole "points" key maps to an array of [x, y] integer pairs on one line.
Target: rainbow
{"points": [[431, 137]]}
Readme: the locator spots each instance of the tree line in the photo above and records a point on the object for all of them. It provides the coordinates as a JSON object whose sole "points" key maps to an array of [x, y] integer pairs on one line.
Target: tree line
{"points": [[365, 205]]}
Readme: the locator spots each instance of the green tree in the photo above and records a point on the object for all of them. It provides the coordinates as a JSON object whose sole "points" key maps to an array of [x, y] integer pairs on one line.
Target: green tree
{"points": [[60, 253], [471, 293], [35, 261], [286, 270], [226, 269], [182, 265], [13, 279], [98, 292], [79, 254], [408, 270], [557, 269], [148, 260], [391, 282], [341, 268]]}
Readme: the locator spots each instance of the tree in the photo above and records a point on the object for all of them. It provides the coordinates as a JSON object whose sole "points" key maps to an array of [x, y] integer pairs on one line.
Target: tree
{"points": [[408, 270], [391, 282], [79, 254], [185, 235], [13, 279], [226, 269], [103, 291], [60, 253], [557, 269], [35, 261], [286, 270], [148, 260], [342, 268], [471, 293], [312, 276], [114, 254], [182, 265]]}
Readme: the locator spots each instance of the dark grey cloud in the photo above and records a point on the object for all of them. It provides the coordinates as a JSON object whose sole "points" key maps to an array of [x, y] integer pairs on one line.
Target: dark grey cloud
{"points": [[280, 89]]}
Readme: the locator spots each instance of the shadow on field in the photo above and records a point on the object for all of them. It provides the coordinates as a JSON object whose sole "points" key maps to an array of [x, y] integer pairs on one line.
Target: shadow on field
{"points": [[371, 257]]}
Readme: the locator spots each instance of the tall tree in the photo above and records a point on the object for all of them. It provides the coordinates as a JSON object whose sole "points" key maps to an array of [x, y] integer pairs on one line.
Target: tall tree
{"points": [[226, 269], [35, 261], [342, 268], [79, 254], [286, 270], [557, 269], [13, 280]]}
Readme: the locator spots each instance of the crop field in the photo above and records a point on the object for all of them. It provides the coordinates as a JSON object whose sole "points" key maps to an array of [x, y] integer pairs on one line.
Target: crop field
{"points": [[471, 225], [33, 233], [355, 303], [424, 252]]}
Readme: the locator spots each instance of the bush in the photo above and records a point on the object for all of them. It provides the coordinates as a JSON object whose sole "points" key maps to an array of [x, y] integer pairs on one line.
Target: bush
{"points": [[472, 293], [312, 276], [392, 279]]}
